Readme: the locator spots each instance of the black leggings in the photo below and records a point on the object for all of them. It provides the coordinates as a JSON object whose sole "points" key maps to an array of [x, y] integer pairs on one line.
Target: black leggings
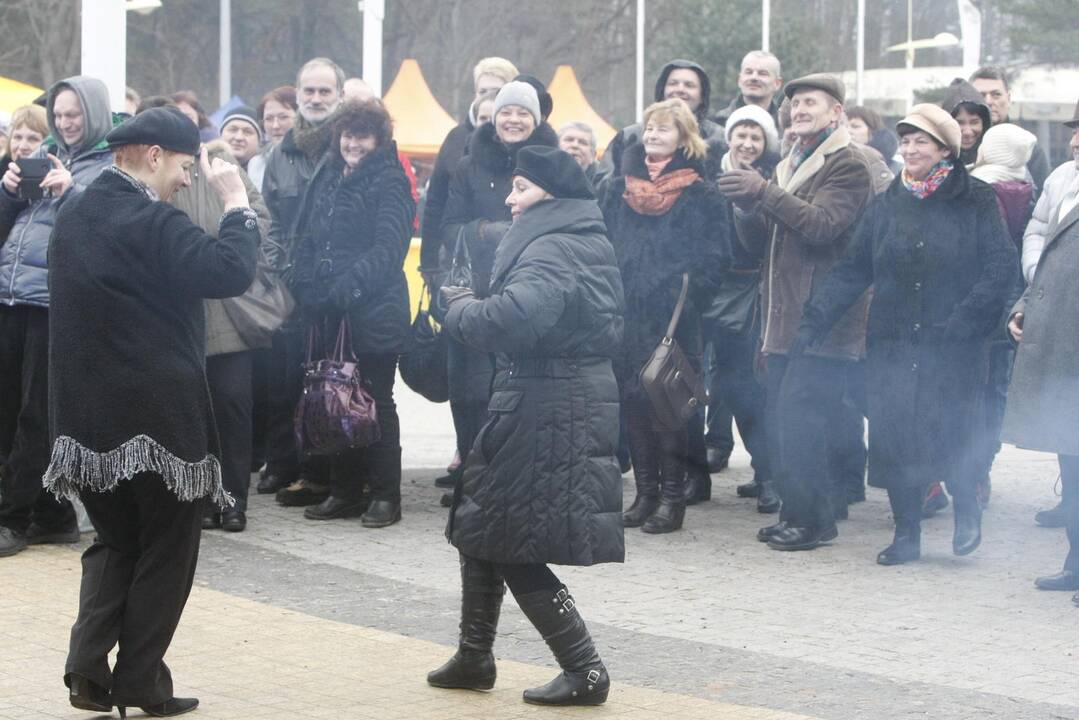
{"points": [[520, 578]]}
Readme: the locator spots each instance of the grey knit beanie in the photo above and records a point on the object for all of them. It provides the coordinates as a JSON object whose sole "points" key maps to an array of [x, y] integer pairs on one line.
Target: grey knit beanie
{"points": [[521, 94]]}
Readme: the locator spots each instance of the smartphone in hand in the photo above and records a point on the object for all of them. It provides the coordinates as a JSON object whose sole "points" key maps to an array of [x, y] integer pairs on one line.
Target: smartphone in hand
{"points": [[31, 172]]}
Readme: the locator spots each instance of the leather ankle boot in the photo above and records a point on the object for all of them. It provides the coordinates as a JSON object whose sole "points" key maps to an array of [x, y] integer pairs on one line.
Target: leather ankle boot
{"points": [[698, 486], [384, 463], [472, 667], [671, 512], [584, 679], [907, 511], [968, 522], [643, 449]]}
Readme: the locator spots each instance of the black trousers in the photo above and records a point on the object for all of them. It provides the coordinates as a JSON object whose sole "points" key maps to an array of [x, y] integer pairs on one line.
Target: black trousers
{"points": [[1069, 478], [805, 410], [377, 466], [24, 423], [995, 398], [284, 382], [136, 578], [468, 419], [736, 387], [485, 576], [229, 378], [848, 454]]}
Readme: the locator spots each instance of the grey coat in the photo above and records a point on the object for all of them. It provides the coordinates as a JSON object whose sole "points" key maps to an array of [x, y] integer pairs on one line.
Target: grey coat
{"points": [[541, 484], [1043, 400]]}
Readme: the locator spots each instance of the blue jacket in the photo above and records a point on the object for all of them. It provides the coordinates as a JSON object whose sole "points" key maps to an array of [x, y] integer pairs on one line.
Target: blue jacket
{"points": [[25, 226]]}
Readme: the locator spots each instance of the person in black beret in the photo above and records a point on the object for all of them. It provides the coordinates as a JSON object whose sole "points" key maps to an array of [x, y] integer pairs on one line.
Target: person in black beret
{"points": [[131, 420], [554, 318]]}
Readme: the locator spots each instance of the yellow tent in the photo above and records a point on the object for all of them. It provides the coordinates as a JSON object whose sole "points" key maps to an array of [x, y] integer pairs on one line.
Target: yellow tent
{"points": [[419, 122], [570, 105], [14, 94]]}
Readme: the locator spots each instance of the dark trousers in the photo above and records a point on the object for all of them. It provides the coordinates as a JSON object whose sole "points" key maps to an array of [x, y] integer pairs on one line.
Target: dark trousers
{"points": [[468, 419], [229, 378], [135, 581], [24, 423], [736, 387], [1001, 359], [805, 409], [717, 415], [284, 382], [1069, 478], [485, 576], [378, 466], [260, 405], [848, 453]]}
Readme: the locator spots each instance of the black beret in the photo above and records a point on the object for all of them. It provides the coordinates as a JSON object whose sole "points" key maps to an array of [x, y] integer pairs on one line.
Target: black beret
{"points": [[164, 126], [555, 171]]}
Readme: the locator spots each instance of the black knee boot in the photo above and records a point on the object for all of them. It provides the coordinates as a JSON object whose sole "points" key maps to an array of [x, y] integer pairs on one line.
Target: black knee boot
{"points": [[907, 511], [472, 667], [968, 520], [669, 515], [645, 453], [584, 679]]}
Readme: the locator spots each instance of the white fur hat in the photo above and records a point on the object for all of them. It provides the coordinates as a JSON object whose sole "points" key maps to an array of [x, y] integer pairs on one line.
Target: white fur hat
{"points": [[1006, 144], [758, 116]]}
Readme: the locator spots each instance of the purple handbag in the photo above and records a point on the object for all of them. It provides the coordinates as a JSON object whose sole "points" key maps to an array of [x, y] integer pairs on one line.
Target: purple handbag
{"points": [[335, 412]]}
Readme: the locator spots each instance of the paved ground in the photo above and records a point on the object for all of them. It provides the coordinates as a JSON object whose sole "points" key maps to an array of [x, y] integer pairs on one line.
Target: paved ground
{"points": [[329, 620]]}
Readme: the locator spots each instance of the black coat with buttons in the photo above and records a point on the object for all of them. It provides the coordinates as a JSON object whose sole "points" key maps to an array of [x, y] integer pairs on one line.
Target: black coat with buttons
{"points": [[942, 271], [353, 233]]}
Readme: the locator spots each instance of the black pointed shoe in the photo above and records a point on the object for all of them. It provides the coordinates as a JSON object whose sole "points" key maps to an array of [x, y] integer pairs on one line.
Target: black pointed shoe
{"points": [[802, 538], [85, 694], [1063, 580], [968, 525], [170, 708], [903, 549]]}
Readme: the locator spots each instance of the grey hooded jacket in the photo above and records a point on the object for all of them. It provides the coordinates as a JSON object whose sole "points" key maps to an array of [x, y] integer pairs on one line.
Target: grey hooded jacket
{"points": [[25, 226]]}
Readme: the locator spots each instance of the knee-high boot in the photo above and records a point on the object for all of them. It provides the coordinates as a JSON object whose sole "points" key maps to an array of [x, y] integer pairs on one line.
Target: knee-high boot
{"points": [[584, 679], [472, 667], [669, 515], [906, 505], [644, 451], [968, 519]]}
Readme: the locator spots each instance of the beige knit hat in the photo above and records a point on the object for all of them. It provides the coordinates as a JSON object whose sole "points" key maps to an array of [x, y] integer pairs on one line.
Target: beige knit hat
{"points": [[1006, 144], [936, 122]]}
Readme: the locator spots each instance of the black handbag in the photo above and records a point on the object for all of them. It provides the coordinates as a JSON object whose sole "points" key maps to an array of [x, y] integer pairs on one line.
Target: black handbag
{"points": [[423, 367], [672, 385], [735, 306]]}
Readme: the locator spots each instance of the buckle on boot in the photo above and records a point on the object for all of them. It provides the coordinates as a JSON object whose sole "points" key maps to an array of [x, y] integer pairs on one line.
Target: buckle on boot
{"points": [[593, 677], [562, 596]]}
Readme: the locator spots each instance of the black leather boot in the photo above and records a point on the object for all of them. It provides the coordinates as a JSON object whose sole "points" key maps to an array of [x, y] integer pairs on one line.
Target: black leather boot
{"points": [[698, 486], [85, 694], [968, 521], [584, 679], [472, 667], [645, 453], [671, 512], [385, 468], [907, 511], [767, 498]]}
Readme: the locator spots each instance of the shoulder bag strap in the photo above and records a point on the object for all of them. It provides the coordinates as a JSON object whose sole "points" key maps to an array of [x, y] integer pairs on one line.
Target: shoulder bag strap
{"points": [[678, 308]]}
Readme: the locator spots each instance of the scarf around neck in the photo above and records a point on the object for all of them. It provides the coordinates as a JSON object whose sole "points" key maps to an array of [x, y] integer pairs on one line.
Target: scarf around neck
{"points": [[656, 197], [803, 149], [922, 189], [312, 140], [656, 167]]}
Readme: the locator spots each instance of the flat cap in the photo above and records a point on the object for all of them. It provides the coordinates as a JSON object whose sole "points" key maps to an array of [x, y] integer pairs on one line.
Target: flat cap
{"points": [[555, 171], [167, 127], [936, 122], [818, 81]]}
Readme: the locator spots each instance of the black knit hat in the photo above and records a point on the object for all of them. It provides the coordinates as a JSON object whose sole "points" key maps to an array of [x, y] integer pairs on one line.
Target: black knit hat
{"points": [[545, 100], [555, 171], [167, 127], [244, 114]]}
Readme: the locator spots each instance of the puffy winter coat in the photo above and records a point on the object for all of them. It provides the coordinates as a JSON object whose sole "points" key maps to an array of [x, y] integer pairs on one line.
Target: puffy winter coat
{"points": [[653, 251], [1043, 399], [25, 226], [353, 235], [450, 153], [1062, 181], [541, 484], [942, 269]]}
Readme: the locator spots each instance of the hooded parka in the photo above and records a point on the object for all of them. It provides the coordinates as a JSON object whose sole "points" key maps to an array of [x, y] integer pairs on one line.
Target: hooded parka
{"points": [[25, 226], [941, 269], [541, 484], [961, 92]]}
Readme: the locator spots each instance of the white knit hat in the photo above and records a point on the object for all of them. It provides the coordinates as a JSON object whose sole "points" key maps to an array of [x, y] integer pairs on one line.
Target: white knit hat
{"points": [[521, 94], [1006, 144], [758, 116]]}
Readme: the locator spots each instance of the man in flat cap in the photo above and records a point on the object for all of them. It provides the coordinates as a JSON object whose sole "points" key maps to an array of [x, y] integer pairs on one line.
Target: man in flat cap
{"points": [[807, 215], [131, 420]]}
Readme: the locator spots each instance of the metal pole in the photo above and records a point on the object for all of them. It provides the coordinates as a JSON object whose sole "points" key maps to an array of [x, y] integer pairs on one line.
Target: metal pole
{"points": [[224, 64], [859, 62], [766, 23], [910, 54], [640, 59], [104, 46], [373, 13]]}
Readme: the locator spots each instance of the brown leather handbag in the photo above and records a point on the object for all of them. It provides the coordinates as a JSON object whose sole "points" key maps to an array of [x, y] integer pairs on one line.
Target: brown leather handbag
{"points": [[673, 387], [335, 412]]}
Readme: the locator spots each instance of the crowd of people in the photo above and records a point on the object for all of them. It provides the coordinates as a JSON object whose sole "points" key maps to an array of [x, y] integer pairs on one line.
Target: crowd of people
{"points": [[815, 267]]}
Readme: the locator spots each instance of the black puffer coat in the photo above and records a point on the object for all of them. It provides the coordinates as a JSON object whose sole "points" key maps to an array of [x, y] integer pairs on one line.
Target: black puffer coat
{"points": [[354, 234], [541, 484], [476, 210], [653, 251], [942, 270]]}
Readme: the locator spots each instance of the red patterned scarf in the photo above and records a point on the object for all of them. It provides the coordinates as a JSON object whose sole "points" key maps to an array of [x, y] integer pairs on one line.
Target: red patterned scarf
{"points": [[656, 197]]}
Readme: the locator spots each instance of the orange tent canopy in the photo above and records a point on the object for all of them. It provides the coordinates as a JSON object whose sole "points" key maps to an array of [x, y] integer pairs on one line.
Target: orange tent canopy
{"points": [[420, 124], [570, 105]]}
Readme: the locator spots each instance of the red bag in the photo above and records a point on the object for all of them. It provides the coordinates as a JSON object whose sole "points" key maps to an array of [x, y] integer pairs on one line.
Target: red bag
{"points": [[335, 412]]}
